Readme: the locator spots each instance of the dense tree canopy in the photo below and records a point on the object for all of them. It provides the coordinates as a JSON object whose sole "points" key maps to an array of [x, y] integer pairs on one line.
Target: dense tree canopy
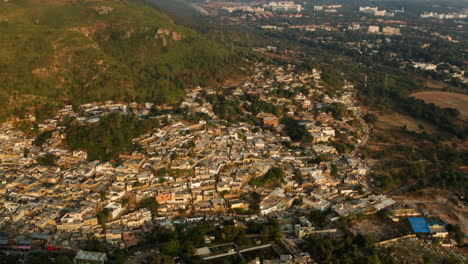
{"points": [[347, 249], [273, 177], [109, 137], [132, 52], [295, 131]]}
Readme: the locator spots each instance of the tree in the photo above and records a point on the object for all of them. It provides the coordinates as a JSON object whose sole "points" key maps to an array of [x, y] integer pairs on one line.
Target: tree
{"points": [[231, 233], [345, 249], [151, 204], [47, 159], [62, 259], [42, 138], [436, 241], [370, 118], [104, 216], [119, 256], [43, 112], [428, 259], [452, 260], [338, 110], [332, 77], [26, 152], [298, 177], [270, 231], [264, 234], [124, 201], [295, 131], [334, 170], [109, 137], [254, 205], [161, 259], [38, 260], [8, 259], [171, 247], [273, 177], [318, 218], [456, 229], [297, 202]]}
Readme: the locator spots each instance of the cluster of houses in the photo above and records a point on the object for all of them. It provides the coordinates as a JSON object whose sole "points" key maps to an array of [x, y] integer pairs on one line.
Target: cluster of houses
{"points": [[193, 170], [355, 26], [451, 71], [384, 31], [256, 11]]}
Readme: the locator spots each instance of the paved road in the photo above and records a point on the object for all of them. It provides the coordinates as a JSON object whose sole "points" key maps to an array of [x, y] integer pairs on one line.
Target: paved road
{"points": [[363, 139], [237, 252], [355, 153], [200, 9]]}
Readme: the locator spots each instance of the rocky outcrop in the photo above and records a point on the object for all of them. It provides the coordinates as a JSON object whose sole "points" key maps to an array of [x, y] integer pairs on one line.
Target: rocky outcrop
{"points": [[161, 33], [103, 10]]}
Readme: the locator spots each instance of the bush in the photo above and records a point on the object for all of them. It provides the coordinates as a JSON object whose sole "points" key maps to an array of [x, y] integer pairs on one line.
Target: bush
{"points": [[47, 159], [110, 137], [273, 177]]}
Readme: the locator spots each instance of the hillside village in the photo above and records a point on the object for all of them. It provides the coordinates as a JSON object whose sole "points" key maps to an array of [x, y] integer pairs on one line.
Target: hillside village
{"points": [[192, 170]]}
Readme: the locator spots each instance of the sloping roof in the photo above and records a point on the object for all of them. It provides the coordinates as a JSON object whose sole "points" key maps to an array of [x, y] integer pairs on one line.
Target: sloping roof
{"points": [[40, 236], [204, 251], [419, 225]]}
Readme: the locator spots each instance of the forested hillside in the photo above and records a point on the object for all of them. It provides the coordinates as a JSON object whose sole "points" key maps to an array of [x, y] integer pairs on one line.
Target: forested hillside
{"points": [[79, 51]]}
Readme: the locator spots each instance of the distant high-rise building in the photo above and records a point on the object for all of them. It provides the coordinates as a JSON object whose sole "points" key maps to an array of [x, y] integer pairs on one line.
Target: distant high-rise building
{"points": [[284, 6], [318, 8], [380, 13], [368, 9]]}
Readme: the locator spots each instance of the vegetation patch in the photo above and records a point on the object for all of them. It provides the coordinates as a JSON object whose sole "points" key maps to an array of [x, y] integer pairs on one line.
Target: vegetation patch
{"points": [[110, 137]]}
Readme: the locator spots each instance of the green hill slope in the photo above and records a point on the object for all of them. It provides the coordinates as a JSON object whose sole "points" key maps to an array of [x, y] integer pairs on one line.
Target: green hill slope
{"points": [[80, 51]]}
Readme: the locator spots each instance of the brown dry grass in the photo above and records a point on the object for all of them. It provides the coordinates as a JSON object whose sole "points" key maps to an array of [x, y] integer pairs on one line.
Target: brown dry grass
{"points": [[434, 85], [446, 99], [396, 120], [376, 229]]}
